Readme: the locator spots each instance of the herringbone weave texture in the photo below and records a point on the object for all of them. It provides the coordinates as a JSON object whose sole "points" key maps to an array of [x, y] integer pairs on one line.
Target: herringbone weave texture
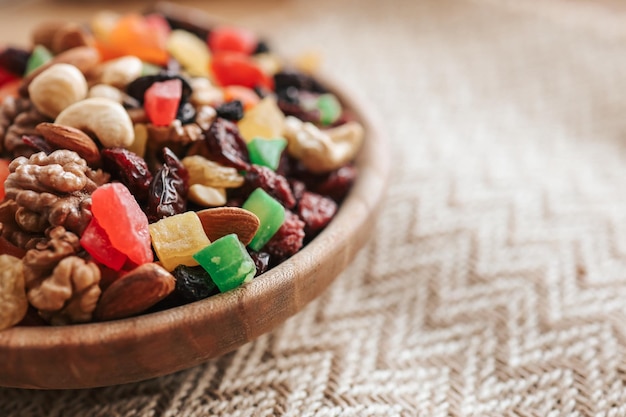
{"points": [[496, 280]]}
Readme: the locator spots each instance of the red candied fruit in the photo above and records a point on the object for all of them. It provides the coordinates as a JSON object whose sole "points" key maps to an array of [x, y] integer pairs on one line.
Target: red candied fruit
{"points": [[117, 211], [316, 211], [161, 101], [232, 68], [4, 173], [288, 239], [97, 243], [233, 39]]}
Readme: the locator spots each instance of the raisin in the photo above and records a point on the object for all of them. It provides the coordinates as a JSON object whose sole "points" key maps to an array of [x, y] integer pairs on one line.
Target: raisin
{"points": [[186, 113], [167, 195], [288, 239], [274, 184], [14, 60], [292, 78], [130, 169], [316, 211], [261, 261], [226, 146], [193, 283], [261, 48], [231, 110]]}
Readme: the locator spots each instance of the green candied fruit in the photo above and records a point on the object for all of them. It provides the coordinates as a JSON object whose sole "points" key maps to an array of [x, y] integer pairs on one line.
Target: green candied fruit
{"points": [[329, 107], [266, 152], [270, 213], [227, 262], [38, 57]]}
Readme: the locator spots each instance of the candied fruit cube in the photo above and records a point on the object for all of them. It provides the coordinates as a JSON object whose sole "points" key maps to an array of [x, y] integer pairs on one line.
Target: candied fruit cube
{"points": [[266, 152], [227, 261], [40, 56], [233, 68], [234, 39], [4, 173], [161, 101], [329, 107], [126, 225], [176, 238], [97, 243], [263, 120], [271, 215], [192, 53]]}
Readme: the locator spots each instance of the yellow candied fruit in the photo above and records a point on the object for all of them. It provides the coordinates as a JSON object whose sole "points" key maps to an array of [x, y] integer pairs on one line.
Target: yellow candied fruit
{"points": [[190, 51], [265, 120], [175, 239]]}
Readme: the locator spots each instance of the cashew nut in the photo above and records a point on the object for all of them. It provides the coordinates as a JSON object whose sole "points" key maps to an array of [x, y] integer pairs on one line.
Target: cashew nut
{"points": [[56, 88], [107, 120], [121, 71], [322, 151], [204, 93], [107, 91], [206, 196]]}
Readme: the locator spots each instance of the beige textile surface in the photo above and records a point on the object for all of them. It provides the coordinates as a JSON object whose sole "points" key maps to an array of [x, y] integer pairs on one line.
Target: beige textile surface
{"points": [[496, 281]]}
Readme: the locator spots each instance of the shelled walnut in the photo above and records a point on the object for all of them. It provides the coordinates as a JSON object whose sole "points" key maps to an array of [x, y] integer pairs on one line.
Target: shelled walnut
{"points": [[52, 190], [62, 286]]}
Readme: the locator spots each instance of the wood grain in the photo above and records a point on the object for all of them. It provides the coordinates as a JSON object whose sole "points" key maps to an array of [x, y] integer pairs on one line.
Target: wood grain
{"points": [[101, 354]]}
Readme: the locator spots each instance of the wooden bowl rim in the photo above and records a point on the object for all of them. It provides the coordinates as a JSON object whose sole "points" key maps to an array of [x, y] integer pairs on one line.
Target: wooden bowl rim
{"points": [[356, 212]]}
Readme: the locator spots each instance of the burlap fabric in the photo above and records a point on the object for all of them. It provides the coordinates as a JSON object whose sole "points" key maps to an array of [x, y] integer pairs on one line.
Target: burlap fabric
{"points": [[495, 283]]}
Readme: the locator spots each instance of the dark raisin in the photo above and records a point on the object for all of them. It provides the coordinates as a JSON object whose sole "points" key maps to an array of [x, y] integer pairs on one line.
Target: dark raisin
{"points": [[226, 146], [231, 110], [167, 195], [288, 239], [316, 211], [14, 60], [130, 169], [292, 78], [37, 143], [274, 184], [193, 283], [261, 48], [186, 113], [261, 261]]}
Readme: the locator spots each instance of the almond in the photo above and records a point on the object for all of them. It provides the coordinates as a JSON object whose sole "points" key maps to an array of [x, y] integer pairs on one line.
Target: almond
{"points": [[135, 292], [66, 137], [221, 221]]}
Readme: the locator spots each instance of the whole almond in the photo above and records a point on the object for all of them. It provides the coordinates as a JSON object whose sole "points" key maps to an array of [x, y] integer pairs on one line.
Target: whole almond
{"points": [[135, 292], [43, 33], [84, 58], [66, 137], [221, 221]]}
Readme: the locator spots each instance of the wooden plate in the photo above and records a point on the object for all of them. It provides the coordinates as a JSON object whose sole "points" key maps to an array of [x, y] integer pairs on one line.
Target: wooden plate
{"points": [[109, 353]]}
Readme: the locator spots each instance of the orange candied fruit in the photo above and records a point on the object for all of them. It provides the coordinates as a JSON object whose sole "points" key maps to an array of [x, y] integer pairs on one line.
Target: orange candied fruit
{"points": [[133, 34], [246, 95]]}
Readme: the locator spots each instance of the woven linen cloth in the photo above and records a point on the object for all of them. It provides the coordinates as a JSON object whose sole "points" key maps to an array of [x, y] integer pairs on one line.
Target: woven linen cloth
{"points": [[495, 281]]}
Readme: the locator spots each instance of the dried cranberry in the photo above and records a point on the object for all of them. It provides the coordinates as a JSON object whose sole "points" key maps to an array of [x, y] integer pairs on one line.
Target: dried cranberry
{"points": [[261, 261], [226, 146], [274, 184], [288, 239], [298, 188], [337, 184], [231, 110], [193, 283], [168, 189], [37, 143], [316, 211], [130, 169], [14, 60]]}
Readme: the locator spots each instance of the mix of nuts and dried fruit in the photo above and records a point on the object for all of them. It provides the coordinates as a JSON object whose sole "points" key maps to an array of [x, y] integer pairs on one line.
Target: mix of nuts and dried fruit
{"points": [[149, 161]]}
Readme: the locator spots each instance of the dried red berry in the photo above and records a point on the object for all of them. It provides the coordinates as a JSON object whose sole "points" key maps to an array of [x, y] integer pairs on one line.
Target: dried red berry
{"points": [[316, 211], [130, 169], [274, 184], [226, 146], [336, 184], [288, 239]]}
